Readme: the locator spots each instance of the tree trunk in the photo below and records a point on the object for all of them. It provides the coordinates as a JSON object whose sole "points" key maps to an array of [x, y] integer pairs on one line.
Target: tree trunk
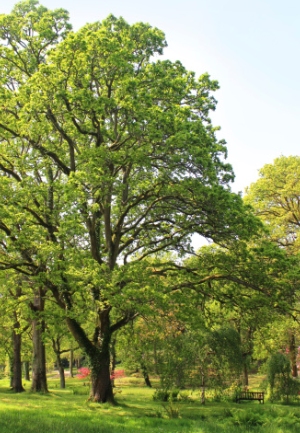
{"points": [[156, 363], [247, 355], [57, 350], [61, 370], [245, 372], [293, 354], [113, 360], [11, 369], [26, 370], [17, 363], [98, 353], [145, 374], [71, 362], [62, 378], [39, 378], [202, 387], [101, 389]]}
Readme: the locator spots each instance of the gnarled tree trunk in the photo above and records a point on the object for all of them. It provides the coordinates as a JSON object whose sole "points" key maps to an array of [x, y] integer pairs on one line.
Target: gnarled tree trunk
{"points": [[101, 389], [98, 353]]}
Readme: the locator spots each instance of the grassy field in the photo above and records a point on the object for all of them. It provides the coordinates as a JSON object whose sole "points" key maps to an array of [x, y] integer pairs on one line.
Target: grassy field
{"points": [[69, 411]]}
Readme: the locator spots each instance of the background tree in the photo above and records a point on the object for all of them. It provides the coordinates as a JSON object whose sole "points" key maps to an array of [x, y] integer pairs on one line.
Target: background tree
{"points": [[275, 197]]}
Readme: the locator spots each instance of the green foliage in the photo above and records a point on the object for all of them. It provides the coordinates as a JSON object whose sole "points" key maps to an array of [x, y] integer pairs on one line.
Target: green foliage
{"points": [[248, 418], [109, 163], [161, 394], [172, 409], [275, 196], [282, 385], [226, 345]]}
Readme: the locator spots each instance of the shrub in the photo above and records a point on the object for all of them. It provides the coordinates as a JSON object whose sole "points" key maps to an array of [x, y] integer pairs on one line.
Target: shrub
{"points": [[83, 373], [282, 385], [172, 410], [185, 396], [165, 395], [161, 395]]}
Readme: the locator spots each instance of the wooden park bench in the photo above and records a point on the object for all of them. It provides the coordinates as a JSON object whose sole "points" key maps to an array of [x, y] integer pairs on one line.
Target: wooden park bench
{"points": [[247, 395]]}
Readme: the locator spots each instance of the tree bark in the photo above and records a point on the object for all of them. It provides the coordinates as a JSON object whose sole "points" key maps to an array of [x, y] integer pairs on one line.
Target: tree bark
{"points": [[245, 372], [247, 355], [11, 369], [26, 370], [98, 353], [101, 390], [16, 383], [145, 374], [293, 353], [71, 362], [156, 363], [202, 387], [61, 371], [113, 360], [39, 378], [57, 350]]}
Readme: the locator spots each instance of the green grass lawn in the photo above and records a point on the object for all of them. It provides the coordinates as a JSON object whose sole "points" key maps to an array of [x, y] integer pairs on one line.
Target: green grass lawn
{"points": [[68, 411]]}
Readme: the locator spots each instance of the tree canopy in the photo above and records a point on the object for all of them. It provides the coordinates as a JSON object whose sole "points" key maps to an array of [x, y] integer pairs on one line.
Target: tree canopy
{"points": [[108, 159]]}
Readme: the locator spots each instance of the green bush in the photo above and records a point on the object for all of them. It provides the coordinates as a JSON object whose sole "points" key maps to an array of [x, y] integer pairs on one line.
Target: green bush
{"points": [[165, 395], [161, 395], [172, 410], [185, 396]]}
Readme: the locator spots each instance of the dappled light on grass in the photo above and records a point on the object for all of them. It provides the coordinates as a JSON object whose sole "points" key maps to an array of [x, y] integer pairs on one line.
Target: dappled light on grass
{"points": [[136, 412]]}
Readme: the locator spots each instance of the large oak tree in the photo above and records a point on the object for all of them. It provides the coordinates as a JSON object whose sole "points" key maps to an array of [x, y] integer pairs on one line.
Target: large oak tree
{"points": [[108, 158]]}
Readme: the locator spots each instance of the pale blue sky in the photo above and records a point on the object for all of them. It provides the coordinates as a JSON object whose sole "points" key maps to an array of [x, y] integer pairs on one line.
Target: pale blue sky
{"points": [[250, 46]]}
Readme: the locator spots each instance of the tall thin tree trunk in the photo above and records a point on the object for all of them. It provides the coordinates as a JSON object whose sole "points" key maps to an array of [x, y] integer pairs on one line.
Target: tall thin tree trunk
{"points": [[57, 350], [202, 387], [11, 369], [113, 359], [71, 362], [247, 355], [293, 353], [17, 363], [26, 370], [39, 377], [245, 372], [155, 357], [61, 371]]}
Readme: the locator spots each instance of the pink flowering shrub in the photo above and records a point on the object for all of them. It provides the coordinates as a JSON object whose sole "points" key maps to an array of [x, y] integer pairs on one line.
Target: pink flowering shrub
{"points": [[85, 372], [117, 374]]}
